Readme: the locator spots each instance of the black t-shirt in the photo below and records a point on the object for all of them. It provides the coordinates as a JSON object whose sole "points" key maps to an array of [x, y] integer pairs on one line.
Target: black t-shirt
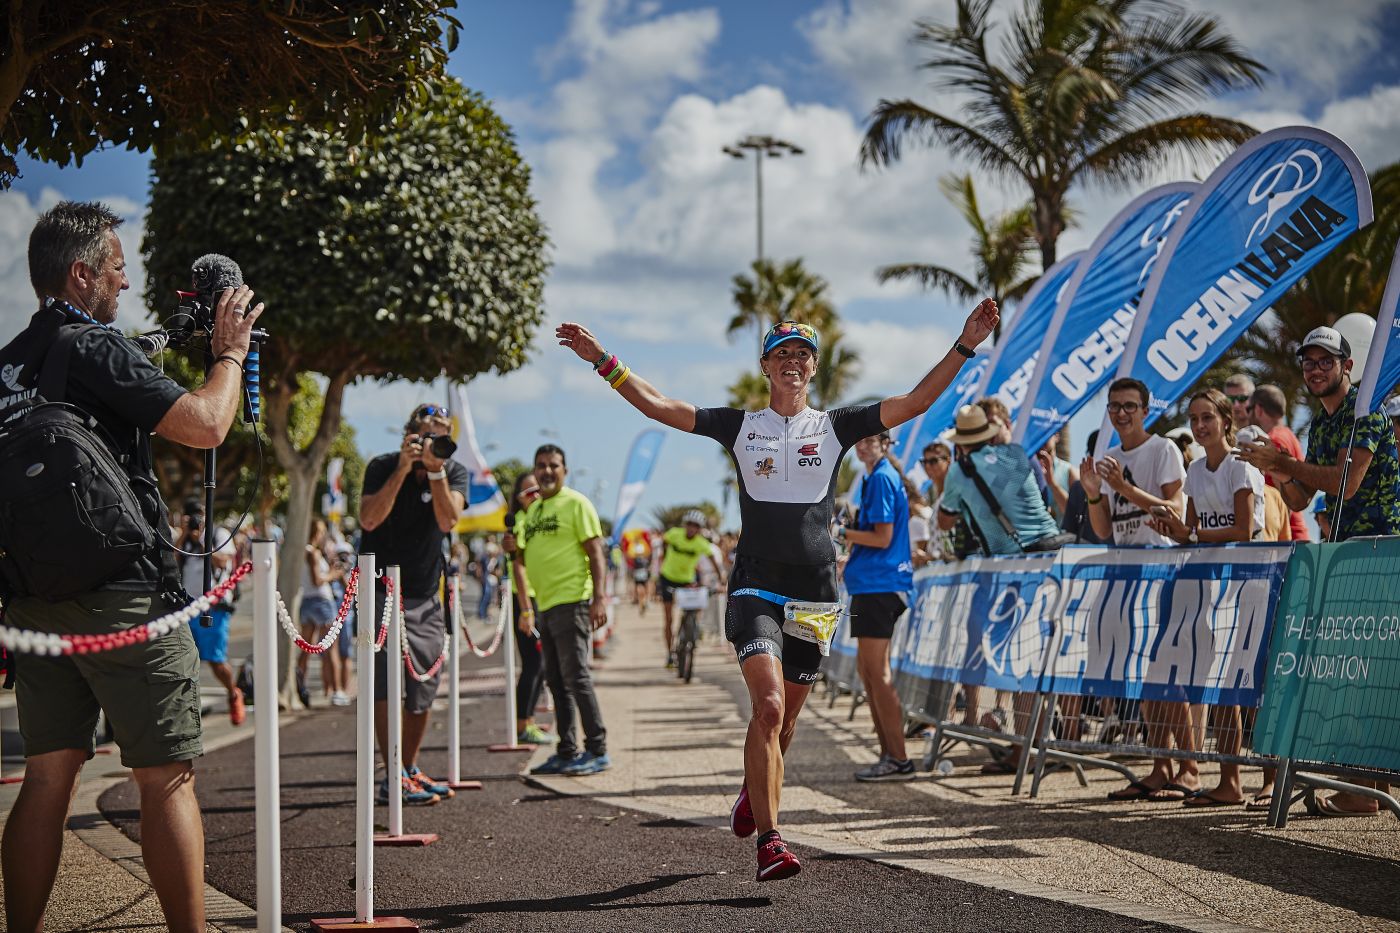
{"points": [[109, 378], [787, 474], [410, 536]]}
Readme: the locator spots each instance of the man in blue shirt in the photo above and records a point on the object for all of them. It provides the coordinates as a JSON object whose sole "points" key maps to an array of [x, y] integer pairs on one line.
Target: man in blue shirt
{"points": [[879, 575], [1006, 471]]}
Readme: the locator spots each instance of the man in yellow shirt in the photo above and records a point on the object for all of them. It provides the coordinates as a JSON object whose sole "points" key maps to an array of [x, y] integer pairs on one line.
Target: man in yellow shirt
{"points": [[682, 549], [565, 563]]}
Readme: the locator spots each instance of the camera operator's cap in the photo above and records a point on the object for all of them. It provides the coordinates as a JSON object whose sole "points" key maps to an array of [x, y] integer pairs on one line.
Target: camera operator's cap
{"points": [[790, 330], [1392, 407], [972, 426], [1329, 339], [694, 517]]}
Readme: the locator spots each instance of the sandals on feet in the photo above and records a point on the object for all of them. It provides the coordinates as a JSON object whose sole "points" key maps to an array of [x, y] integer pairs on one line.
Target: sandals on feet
{"points": [[1136, 790], [1260, 802], [1326, 806], [1206, 800], [1170, 793]]}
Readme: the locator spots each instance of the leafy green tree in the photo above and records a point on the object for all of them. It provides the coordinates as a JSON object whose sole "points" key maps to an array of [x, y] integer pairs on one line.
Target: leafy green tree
{"points": [[506, 473], [1083, 91], [1001, 252], [418, 255], [670, 516], [75, 77]]}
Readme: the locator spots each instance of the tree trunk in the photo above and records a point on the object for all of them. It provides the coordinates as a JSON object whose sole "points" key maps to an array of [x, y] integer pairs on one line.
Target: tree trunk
{"points": [[303, 468]]}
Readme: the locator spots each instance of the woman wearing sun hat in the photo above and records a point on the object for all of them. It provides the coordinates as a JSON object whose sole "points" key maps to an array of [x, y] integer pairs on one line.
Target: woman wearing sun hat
{"points": [[783, 581]]}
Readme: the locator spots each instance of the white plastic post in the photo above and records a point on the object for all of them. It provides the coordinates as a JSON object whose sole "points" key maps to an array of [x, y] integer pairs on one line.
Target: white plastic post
{"points": [[366, 626], [454, 688], [268, 780], [393, 690], [508, 648]]}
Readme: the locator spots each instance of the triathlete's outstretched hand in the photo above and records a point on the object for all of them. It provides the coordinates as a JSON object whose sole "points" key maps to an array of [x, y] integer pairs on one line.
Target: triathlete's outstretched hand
{"points": [[980, 323], [577, 338]]}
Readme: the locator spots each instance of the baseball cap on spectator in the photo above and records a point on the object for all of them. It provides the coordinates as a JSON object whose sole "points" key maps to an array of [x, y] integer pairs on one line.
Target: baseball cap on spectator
{"points": [[1392, 407], [1329, 339]]}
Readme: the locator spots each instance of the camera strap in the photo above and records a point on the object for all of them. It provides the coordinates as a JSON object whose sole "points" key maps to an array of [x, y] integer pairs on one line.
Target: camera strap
{"points": [[970, 471]]}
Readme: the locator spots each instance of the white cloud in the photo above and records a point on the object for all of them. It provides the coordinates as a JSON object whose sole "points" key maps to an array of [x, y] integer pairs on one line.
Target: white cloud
{"points": [[896, 356], [18, 215], [867, 43], [1311, 48]]}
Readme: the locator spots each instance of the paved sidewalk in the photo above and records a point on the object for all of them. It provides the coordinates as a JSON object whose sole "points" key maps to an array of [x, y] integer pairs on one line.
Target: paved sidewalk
{"points": [[678, 752]]}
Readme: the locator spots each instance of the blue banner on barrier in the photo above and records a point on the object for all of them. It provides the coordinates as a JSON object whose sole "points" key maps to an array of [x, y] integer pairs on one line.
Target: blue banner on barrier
{"points": [[983, 621], [1382, 371], [1177, 624]]}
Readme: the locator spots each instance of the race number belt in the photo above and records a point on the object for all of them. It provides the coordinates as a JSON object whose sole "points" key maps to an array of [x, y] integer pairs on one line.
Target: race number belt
{"points": [[809, 621]]}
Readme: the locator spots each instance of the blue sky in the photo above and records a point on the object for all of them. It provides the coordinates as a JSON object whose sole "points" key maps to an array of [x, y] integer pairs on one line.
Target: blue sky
{"points": [[621, 107]]}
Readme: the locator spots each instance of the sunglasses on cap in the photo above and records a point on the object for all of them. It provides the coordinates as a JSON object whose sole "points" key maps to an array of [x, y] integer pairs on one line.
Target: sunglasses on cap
{"points": [[429, 411], [790, 330]]}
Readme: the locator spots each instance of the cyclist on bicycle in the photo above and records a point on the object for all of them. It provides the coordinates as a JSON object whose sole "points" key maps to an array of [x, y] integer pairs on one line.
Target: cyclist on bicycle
{"points": [[787, 457], [682, 549]]}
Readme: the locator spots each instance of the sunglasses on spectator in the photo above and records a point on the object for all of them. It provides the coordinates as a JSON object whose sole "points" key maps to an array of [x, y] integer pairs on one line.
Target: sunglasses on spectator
{"points": [[1127, 408], [1326, 364], [429, 411], [928, 460], [527, 493], [1238, 398]]}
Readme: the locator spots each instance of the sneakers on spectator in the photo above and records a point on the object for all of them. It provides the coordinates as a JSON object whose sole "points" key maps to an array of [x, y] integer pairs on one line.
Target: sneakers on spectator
{"points": [[775, 860], [587, 763], [671, 661], [237, 709], [340, 698], [413, 795], [887, 769], [554, 764], [741, 820], [416, 775], [534, 735]]}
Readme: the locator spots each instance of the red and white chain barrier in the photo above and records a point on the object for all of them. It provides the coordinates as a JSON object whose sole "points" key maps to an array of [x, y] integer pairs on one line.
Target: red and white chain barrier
{"points": [[27, 641], [496, 638], [432, 671], [352, 586]]}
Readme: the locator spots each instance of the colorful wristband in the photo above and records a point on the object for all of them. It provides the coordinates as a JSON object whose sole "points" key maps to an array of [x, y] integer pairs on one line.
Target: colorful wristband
{"points": [[626, 373], [602, 359], [609, 367]]}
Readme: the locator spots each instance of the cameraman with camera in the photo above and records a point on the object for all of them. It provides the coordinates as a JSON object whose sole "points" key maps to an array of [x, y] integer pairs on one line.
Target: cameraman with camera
{"points": [[149, 691], [409, 504]]}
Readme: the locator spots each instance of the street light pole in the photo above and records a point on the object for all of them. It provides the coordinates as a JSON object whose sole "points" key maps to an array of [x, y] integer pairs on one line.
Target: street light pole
{"points": [[761, 146]]}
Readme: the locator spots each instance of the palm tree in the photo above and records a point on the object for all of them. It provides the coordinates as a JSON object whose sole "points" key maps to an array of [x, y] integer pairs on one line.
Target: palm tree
{"points": [[1001, 250], [837, 368], [1084, 90], [774, 293], [1350, 278]]}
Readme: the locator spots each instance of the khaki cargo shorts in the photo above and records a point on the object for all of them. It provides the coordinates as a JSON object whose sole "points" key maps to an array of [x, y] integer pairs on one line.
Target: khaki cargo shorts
{"points": [[149, 691]]}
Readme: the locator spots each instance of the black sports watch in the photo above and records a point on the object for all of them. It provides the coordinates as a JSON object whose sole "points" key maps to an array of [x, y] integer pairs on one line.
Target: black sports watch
{"points": [[958, 345]]}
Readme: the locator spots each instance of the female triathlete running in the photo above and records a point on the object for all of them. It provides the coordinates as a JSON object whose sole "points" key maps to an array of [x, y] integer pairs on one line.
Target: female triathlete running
{"points": [[787, 457]]}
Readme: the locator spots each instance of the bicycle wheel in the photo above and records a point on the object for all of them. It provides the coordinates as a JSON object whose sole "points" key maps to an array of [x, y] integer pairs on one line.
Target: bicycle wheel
{"points": [[685, 656]]}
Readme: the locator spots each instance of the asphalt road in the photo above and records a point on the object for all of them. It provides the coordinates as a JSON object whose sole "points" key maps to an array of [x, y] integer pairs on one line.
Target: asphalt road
{"points": [[516, 857]]}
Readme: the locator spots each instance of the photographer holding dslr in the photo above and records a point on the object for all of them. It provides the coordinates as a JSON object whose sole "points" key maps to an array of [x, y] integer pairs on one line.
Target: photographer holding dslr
{"points": [[149, 691], [409, 504]]}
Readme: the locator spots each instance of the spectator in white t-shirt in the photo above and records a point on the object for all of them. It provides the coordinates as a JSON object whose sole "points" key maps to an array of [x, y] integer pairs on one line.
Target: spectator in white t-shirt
{"points": [[1224, 503], [1143, 473]]}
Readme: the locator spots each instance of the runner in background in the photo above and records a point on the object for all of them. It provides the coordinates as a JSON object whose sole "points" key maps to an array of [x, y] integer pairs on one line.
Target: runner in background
{"points": [[682, 549], [786, 456], [636, 544]]}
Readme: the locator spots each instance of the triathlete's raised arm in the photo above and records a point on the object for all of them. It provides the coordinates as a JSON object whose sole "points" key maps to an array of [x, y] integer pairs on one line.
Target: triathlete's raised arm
{"points": [[898, 409], [642, 394]]}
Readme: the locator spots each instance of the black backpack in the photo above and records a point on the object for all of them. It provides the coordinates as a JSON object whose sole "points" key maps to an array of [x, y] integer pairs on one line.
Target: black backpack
{"points": [[69, 519]]}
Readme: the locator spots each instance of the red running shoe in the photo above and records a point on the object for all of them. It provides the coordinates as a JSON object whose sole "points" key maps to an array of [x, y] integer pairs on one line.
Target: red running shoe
{"points": [[741, 815], [776, 861], [237, 708]]}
